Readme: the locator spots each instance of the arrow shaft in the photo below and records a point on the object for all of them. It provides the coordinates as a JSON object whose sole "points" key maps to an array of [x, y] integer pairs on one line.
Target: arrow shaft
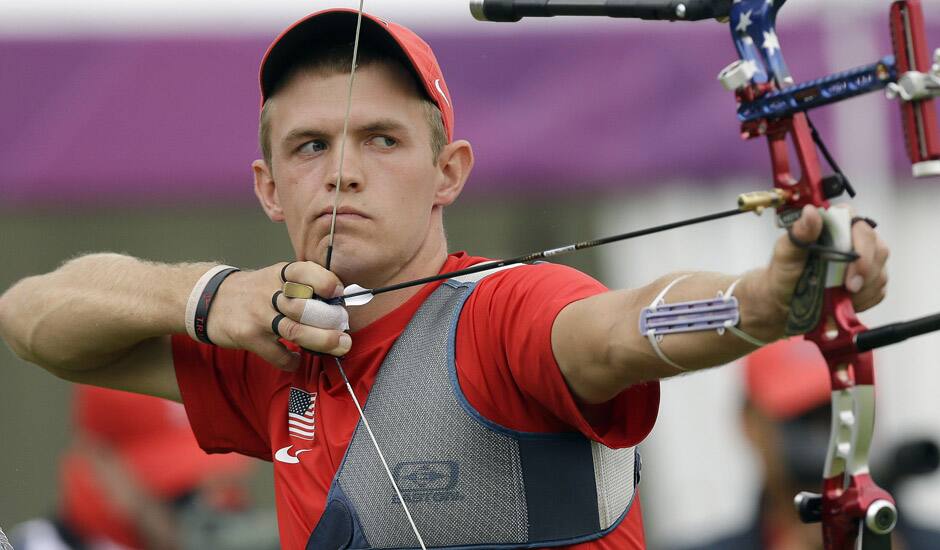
{"points": [[534, 256]]}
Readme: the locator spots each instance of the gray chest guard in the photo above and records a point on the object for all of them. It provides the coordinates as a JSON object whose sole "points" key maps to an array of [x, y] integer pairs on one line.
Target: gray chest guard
{"points": [[469, 483]]}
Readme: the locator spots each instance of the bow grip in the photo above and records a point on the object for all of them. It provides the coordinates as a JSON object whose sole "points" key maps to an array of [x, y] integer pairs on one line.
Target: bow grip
{"points": [[918, 116]]}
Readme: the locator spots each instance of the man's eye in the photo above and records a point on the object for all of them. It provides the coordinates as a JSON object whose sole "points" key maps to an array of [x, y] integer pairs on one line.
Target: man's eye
{"points": [[312, 147], [384, 142]]}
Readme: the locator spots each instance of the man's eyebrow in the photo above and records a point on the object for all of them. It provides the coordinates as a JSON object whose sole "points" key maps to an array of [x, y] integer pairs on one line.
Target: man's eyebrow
{"points": [[376, 126], [305, 134], [382, 125]]}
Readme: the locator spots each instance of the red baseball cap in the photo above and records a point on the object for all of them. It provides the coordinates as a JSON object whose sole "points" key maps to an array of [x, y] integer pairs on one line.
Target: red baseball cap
{"points": [[787, 378], [152, 437], [153, 443], [338, 26]]}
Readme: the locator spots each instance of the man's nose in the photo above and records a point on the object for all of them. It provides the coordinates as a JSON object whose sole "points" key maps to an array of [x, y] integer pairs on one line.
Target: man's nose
{"points": [[347, 169]]}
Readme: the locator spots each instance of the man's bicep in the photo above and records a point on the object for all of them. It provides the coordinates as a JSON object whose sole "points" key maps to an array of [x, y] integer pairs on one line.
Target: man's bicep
{"points": [[599, 350], [580, 346], [147, 368]]}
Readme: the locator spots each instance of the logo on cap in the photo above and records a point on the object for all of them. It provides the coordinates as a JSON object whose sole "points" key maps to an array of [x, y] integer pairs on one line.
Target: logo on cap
{"points": [[437, 84]]}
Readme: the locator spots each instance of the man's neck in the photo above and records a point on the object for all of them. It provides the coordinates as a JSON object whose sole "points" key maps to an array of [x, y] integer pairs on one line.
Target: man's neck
{"points": [[383, 304]]}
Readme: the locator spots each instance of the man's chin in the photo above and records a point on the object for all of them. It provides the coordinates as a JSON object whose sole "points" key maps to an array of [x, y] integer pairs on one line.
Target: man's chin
{"points": [[352, 268]]}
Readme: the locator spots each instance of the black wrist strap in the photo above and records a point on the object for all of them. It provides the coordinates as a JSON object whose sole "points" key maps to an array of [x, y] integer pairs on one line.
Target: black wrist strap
{"points": [[201, 319]]}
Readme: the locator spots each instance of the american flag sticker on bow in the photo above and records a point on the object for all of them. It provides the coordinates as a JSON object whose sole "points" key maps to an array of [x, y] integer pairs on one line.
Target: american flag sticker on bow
{"points": [[301, 409]]}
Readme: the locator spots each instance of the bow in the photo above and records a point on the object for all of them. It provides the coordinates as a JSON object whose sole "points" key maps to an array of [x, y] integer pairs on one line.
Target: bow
{"points": [[853, 510]]}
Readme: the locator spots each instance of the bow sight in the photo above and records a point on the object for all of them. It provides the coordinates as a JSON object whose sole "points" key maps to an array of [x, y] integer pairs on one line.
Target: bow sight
{"points": [[760, 78], [853, 510]]}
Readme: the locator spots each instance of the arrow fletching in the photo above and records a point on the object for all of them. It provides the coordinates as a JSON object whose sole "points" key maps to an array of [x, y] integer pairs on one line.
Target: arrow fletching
{"points": [[355, 295]]}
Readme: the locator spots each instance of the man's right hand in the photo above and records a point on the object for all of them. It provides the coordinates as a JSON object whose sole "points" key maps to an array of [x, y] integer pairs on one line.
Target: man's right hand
{"points": [[108, 319], [242, 313]]}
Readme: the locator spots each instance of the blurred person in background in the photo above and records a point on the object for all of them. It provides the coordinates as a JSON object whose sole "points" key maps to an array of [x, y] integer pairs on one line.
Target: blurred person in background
{"points": [[134, 477], [538, 349], [785, 416]]}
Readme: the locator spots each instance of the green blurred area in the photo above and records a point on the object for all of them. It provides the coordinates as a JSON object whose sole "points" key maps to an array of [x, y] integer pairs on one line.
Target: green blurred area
{"points": [[34, 406]]}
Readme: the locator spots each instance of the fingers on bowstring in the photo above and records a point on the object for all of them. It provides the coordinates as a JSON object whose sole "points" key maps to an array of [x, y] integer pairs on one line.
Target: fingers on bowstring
{"points": [[333, 342], [325, 283], [320, 314], [311, 312]]}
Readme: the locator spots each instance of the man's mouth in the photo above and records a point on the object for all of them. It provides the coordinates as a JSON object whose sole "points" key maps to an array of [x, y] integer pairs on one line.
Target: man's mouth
{"points": [[342, 212]]}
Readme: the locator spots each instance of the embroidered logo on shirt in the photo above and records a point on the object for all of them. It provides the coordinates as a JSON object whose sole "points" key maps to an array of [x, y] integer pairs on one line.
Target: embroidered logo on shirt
{"points": [[431, 481], [301, 424], [283, 455]]}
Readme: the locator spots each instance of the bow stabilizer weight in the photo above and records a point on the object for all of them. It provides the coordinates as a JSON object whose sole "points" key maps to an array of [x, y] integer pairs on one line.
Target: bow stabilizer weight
{"points": [[510, 11]]}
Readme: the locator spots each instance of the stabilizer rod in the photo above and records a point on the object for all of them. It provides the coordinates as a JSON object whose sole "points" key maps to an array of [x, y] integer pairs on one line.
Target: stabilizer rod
{"points": [[668, 10], [896, 332]]}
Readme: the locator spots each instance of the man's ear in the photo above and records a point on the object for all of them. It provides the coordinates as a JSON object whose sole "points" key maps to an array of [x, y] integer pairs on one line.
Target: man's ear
{"points": [[266, 190], [454, 163]]}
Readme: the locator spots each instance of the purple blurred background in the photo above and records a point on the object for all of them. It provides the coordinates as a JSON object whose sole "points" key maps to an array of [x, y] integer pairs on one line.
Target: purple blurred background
{"points": [[174, 118]]}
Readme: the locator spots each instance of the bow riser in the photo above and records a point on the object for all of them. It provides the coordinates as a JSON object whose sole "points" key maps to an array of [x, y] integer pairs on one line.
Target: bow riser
{"points": [[835, 338], [782, 134]]}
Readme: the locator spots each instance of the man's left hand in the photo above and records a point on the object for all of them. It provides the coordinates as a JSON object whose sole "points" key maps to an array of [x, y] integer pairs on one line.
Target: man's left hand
{"points": [[865, 278]]}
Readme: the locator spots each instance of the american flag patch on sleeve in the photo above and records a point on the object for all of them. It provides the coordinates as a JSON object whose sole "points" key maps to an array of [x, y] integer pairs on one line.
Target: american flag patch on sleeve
{"points": [[301, 410]]}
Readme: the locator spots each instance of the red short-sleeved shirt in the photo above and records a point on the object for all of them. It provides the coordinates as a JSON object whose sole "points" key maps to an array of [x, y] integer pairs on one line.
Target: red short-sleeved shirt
{"points": [[238, 403]]}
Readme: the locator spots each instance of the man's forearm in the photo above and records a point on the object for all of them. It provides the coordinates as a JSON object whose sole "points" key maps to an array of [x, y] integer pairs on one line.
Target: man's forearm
{"points": [[94, 308], [600, 349], [694, 350]]}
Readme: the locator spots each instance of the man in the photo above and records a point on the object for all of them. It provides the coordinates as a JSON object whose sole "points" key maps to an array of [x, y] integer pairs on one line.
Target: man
{"points": [[497, 402]]}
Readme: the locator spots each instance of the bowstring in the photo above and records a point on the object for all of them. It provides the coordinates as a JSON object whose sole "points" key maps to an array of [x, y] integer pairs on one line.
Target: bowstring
{"points": [[342, 143], [329, 258]]}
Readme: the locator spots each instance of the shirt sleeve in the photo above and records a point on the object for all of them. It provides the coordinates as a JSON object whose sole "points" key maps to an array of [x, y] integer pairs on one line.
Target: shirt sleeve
{"points": [[505, 328], [225, 393]]}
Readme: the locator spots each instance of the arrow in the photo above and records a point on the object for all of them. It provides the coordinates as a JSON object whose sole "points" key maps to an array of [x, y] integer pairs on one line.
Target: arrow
{"points": [[356, 295]]}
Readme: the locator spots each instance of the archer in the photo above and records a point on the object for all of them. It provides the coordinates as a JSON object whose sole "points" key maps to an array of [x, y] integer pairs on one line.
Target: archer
{"points": [[539, 349]]}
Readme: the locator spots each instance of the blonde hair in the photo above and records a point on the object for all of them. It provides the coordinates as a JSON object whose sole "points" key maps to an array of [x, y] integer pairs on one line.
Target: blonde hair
{"points": [[337, 60]]}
